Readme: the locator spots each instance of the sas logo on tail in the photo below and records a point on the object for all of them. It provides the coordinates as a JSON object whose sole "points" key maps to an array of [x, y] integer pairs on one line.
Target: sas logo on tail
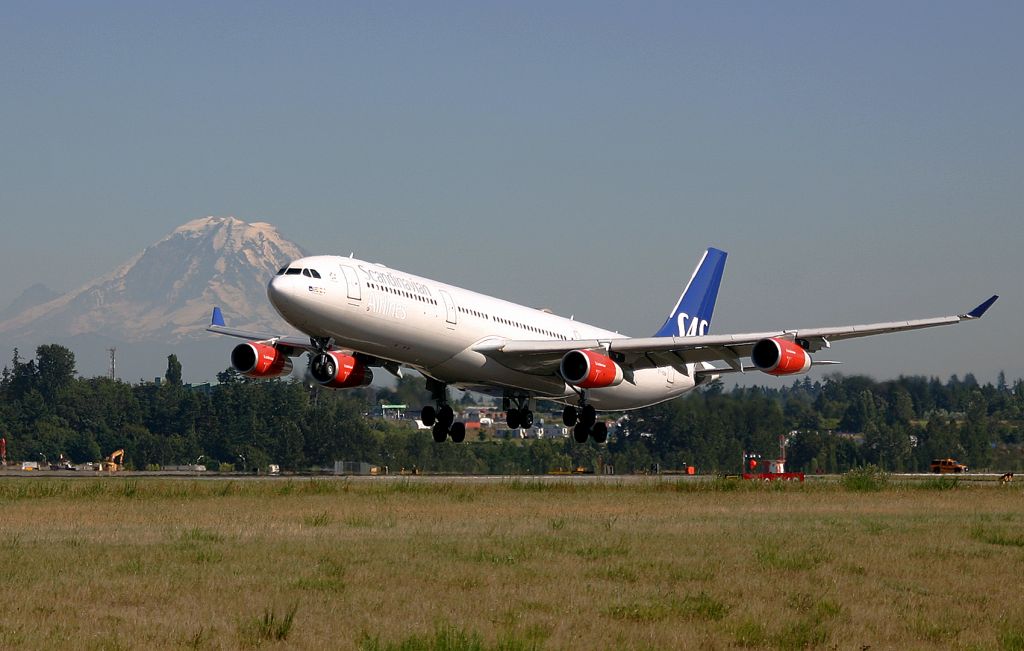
{"points": [[695, 328]]}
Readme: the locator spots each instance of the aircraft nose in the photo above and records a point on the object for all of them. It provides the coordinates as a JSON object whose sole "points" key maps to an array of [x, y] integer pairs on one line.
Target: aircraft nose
{"points": [[281, 292]]}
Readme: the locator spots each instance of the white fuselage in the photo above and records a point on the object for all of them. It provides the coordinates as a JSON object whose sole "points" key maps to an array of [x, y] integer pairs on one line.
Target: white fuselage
{"points": [[433, 327]]}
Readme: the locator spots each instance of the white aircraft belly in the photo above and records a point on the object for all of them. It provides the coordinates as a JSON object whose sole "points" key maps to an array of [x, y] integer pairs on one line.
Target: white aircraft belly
{"points": [[649, 387], [470, 367]]}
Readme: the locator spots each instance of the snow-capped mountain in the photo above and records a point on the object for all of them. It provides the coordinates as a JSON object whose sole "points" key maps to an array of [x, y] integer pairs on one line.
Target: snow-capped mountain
{"points": [[164, 295]]}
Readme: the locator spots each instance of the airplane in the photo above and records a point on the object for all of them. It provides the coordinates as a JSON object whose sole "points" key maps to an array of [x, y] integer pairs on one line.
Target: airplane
{"points": [[356, 315]]}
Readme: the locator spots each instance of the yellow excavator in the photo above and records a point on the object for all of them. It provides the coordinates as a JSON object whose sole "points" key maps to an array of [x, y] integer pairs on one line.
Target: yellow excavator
{"points": [[113, 462]]}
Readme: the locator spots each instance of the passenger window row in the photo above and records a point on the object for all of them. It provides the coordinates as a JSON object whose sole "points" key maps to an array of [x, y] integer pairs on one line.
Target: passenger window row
{"points": [[399, 292], [523, 326], [313, 273]]}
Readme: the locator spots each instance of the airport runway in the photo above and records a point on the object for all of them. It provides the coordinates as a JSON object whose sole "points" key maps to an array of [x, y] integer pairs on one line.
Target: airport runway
{"points": [[423, 477], [466, 479]]}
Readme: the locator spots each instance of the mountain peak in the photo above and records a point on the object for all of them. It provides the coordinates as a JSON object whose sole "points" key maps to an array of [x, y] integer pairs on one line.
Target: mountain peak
{"points": [[214, 222], [206, 223], [165, 293], [229, 232]]}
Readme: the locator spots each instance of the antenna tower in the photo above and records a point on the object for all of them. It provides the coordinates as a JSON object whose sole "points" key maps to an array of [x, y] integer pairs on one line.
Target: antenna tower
{"points": [[113, 363]]}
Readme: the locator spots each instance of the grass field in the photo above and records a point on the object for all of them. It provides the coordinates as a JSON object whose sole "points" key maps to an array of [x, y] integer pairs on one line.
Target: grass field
{"points": [[110, 563]]}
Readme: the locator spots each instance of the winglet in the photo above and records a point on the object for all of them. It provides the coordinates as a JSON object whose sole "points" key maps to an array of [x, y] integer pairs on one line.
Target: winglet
{"points": [[979, 311], [218, 318]]}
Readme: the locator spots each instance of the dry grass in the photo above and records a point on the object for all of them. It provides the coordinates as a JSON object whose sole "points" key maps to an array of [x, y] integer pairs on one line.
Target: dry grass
{"points": [[413, 564]]}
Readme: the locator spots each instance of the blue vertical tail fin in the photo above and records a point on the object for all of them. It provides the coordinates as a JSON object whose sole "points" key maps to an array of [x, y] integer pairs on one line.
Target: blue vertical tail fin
{"points": [[692, 314]]}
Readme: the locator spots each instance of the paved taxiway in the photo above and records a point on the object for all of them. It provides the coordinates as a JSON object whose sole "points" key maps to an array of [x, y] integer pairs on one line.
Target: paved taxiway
{"points": [[464, 479]]}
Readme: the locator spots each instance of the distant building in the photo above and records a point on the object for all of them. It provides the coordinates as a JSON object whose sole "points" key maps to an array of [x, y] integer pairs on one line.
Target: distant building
{"points": [[355, 468], [389, 412]]}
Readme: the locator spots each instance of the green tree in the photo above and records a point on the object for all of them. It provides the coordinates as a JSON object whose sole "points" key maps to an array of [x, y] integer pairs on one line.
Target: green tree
{"points": [[974, 435], [803, 448], [24, 377], [862, 412], [800, 414], [173, 373], [902, 411], [56, 369]]}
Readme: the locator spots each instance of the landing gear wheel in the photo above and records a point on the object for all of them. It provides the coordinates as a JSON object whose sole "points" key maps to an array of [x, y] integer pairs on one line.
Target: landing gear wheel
{"points": [[428, 416], [446, 416], [588, 416], [599, 433], [512, 419], [440, 433], [570, 416], [525, 418], [323, 367], [580, 433], [458, 432]]}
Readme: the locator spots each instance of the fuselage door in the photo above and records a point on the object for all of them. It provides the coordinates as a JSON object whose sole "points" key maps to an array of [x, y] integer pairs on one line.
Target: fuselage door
{"points": [[352, 281], [452, 314]]}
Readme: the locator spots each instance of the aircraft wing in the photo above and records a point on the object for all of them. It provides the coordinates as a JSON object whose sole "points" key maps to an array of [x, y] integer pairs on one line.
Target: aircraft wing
{"points": [[543, 357], [298, 344]]}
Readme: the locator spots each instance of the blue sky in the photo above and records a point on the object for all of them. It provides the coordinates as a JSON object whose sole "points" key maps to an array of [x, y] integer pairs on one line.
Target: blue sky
{"points": [[860, 161]]}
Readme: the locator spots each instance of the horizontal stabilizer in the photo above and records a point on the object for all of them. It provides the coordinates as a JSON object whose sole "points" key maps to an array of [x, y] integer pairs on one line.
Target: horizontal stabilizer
{"points": [[219, 327]]}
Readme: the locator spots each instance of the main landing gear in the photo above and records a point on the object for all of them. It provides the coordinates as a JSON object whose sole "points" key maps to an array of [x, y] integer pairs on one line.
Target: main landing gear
{"points": [[442, 419], [584, 422], [583, 419], [518, 414]]}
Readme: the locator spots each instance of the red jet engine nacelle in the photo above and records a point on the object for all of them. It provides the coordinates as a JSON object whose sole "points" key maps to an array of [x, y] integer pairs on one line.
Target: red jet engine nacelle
{"points": [[780, 357], [589, 370], [260, 360], [336, 370]]}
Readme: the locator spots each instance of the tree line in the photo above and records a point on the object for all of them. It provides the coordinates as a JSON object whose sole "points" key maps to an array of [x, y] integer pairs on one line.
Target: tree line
{"points": [[829, 425]]}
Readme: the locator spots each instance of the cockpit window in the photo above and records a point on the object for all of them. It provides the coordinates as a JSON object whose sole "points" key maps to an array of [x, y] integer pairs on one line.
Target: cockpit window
{"points": [[305, 272], [315, 273], [280, 272], [294, 271]]}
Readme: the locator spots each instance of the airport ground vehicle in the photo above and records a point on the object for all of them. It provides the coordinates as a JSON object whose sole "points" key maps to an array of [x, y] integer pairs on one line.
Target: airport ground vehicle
{"points": [[113, 462], [62, 463], [944, 466]]}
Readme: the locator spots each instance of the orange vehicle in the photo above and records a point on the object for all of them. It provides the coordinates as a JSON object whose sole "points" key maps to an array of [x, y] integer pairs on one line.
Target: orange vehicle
{"points": [[113, 462], [947, 465]]}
